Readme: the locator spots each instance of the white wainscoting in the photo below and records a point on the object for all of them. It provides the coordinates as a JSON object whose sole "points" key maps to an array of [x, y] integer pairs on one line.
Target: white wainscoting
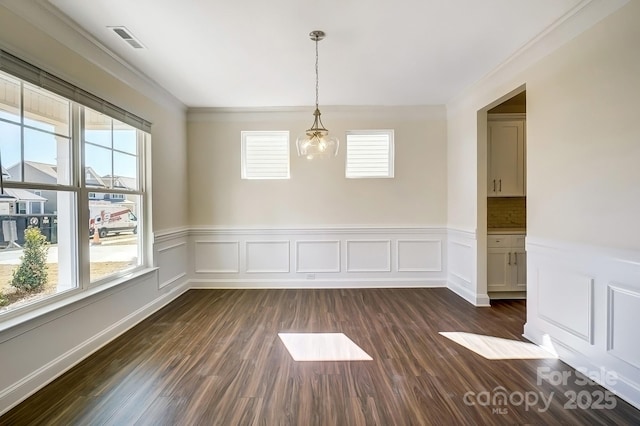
{"points": [[461, 266], [419, 255], [318, 257], [267, 257], [623, 341], [171, 257], [556, 287], [368, 255], [217, 257], [584, 303]]}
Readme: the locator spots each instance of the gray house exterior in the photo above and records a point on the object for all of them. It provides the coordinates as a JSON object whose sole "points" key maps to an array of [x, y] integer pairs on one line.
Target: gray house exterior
{"points": [[48, 173]]}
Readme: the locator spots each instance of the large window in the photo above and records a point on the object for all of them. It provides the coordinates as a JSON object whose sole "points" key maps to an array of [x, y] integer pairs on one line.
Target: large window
{"points": [[112, 152], [63, 168], [370, 154]]}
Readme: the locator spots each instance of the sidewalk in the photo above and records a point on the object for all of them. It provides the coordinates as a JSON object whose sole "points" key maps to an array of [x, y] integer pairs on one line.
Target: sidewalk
{"points": [[101, 253]]}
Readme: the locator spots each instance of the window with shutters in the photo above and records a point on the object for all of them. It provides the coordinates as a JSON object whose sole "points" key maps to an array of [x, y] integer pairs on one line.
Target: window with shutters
{"points": [[369, 154], [265, 155]]}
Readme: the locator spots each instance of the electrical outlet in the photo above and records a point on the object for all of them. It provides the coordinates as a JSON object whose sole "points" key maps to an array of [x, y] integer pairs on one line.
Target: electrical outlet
{"points": [[311, 276]]}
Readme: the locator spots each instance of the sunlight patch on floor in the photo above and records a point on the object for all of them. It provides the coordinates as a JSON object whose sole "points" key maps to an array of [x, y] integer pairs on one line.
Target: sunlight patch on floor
{"points": [[322, 347], [491, 347]]}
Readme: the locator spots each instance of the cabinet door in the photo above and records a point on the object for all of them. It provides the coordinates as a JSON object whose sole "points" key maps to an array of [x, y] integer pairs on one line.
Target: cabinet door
{"points": [[498, 269], [519, 268], [506, 158]]}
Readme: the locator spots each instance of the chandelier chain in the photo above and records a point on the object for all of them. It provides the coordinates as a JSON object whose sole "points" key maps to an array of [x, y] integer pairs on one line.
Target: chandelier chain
{"points": [[317, 83]]}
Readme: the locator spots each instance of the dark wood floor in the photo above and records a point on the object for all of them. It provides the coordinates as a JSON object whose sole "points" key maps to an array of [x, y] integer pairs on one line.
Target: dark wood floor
{"points": [[214, 357]]}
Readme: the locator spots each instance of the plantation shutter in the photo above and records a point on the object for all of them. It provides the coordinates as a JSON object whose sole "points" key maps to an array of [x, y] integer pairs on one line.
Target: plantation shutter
{"points": [[265, 155], [369, 154]]}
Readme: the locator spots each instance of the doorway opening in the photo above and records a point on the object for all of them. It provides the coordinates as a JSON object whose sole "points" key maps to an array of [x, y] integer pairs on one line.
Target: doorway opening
{"points": [[506, 223]]}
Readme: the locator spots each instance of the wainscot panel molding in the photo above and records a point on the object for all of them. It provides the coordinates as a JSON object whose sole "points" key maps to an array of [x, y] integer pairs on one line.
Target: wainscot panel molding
{"points": [[461, 266], [171, 251], [173, 259], [368, 255], [419, 255], [321, 257], [217, 256], [267, 257], [623, 342], [317, 256], [583, 302]]}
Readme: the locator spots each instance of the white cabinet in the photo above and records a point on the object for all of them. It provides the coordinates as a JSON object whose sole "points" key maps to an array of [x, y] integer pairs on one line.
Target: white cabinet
{"points": [[506, 263], [506, 157]]}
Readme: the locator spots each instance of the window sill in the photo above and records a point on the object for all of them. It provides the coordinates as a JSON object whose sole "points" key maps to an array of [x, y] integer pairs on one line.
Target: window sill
{"points": [[22, 323]]}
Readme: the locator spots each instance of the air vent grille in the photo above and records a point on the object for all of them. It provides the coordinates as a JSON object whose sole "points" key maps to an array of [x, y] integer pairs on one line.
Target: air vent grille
{"points": [[126, 35]]}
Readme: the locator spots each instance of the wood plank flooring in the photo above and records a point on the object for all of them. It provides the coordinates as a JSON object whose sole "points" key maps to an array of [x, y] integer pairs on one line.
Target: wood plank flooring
{"points": [[213, 357]]}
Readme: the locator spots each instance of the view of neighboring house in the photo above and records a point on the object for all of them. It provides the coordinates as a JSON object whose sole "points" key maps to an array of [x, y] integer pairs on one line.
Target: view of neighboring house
{"points": [[120, 182], [43, 202], [38, 172], [14, 202], [21, 201], [7, 204]]}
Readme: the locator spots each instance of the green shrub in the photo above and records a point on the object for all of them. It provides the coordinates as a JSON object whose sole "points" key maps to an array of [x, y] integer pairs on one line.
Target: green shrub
{"points": [[31, 274], [3, 299]]}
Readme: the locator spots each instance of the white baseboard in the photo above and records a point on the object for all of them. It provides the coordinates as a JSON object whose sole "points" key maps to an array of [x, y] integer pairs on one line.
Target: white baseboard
{"points": [[27, 386], [500, 295], [313, 284], [478, 300]]}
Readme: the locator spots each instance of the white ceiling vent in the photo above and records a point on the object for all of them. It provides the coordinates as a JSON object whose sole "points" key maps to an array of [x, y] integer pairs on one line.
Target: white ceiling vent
{"points": [[126, 35]]}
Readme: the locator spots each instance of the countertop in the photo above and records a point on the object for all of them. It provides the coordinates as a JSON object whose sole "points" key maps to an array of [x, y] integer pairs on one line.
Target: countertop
{"points": [[500, 231]]}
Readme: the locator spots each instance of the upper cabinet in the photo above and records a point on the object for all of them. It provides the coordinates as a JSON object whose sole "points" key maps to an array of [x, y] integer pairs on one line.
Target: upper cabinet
{"points": [[506, 155]]}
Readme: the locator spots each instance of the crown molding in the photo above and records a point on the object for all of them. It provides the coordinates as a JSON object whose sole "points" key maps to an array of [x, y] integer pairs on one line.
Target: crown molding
{"points": [[577, 20], [44, 16], [404, 112]]}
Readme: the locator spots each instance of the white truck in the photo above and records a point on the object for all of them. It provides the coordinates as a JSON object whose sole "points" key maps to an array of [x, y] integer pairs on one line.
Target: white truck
{"points": [[111, 218]]}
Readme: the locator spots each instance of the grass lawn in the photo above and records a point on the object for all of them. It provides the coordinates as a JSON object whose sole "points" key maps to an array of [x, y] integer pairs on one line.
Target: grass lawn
{"points": [[15, 297]]}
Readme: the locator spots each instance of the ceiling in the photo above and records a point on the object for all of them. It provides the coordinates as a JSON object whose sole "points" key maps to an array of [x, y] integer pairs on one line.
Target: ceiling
{"points": [[257, 53]]}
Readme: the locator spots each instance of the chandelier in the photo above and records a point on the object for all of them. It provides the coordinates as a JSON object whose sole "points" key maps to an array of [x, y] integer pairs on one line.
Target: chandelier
{"points": [[316, 143]]}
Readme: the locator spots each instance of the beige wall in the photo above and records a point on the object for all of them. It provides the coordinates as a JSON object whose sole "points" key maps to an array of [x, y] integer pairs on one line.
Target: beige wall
{"points": [[318, 194], [583, 138], [462, 163], [168, 117]]}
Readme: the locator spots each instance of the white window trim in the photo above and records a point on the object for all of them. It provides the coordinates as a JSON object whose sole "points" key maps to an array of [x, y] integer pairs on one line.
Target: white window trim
{"points": [[391, 153], [245, 173]]}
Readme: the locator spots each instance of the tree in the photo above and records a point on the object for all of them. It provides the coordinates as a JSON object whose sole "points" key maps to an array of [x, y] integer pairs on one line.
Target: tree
{"points": [[31, 275]]}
